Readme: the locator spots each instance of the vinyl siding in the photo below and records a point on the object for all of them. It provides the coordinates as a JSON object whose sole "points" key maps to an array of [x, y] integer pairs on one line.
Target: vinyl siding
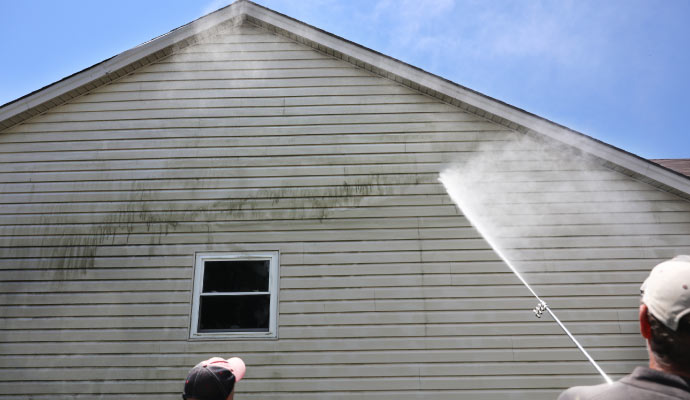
{"points": [[251, 142]]}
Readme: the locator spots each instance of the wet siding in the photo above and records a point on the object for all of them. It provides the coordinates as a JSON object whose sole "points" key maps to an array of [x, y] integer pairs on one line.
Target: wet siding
{"points": [[252, 142]]}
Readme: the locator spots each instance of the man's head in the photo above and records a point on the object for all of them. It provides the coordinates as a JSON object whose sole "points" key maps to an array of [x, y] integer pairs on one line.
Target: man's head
{"points": [[665, 314], [213, 379]]}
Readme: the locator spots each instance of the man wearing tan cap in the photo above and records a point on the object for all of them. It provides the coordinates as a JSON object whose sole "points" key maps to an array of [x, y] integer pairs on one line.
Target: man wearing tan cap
{"points": [[214, 379], [665, 325]]}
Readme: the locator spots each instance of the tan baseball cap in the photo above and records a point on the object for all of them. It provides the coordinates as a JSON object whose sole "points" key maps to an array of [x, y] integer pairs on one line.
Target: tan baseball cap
{"points": [[666, 291]]}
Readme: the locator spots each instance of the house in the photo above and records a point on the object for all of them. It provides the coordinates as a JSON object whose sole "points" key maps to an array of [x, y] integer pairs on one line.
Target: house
{"points": [[253, 186]]}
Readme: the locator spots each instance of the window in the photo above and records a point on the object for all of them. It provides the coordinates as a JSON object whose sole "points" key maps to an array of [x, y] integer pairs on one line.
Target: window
{"points": [[235, 295]]}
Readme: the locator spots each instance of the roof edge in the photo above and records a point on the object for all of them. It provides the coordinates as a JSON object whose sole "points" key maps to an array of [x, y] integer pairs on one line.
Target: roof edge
{"points": [[122, 64]]}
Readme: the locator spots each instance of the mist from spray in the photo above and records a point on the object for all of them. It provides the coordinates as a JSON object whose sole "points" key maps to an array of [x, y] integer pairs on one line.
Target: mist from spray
{"points": [[456, 191], [495, 191]]}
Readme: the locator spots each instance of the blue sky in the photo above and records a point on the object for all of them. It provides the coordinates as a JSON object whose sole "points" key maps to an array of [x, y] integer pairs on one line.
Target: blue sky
{"points": [[616, 70]]}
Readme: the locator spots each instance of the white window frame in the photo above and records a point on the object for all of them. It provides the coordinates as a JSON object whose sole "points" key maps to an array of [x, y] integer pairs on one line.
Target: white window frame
{"points": [[200, 258]]}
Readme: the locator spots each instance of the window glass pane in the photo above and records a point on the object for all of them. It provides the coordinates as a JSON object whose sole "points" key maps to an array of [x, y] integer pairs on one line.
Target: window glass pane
{"points": [[236, 276], [239, 313]]}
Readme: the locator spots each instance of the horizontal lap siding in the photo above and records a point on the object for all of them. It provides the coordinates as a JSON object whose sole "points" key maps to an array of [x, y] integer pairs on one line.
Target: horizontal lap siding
{"points": [[252, 142]]}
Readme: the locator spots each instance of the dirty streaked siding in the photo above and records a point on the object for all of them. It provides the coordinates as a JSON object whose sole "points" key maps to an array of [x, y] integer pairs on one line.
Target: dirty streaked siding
{"points": [[252, 142]]}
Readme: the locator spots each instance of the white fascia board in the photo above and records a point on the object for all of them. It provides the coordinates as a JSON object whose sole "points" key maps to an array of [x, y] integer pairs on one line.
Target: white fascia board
{"points": [[121, 60], [474, 99]]}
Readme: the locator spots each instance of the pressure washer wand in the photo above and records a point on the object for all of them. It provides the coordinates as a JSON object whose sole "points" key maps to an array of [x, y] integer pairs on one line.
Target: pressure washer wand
{"points": [[541, 307], [455, 193]]}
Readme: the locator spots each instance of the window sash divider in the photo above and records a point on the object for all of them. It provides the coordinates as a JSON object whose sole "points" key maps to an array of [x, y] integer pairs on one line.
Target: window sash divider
{"points": [[235, 294]]}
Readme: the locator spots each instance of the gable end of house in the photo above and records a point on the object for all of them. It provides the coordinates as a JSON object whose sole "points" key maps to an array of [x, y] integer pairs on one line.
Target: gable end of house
{"points": [[245, 11]]}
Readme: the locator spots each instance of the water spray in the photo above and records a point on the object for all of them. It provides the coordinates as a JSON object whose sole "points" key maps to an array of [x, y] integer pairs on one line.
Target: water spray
{"points": [[541, 305]]}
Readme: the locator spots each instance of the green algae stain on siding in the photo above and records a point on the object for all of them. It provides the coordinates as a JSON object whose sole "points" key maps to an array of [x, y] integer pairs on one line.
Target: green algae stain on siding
{"points": [[145, 220]]}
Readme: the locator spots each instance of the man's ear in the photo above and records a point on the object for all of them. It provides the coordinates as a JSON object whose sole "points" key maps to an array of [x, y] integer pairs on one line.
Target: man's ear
{"points": [[645, 328]]}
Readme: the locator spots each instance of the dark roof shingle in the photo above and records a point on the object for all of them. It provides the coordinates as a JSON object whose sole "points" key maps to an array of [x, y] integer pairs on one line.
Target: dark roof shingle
{"points": [[681, 165]]}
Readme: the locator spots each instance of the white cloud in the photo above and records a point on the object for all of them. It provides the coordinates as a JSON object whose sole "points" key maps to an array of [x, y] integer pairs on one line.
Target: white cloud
{"points": [[214, 5], [411, 17]]}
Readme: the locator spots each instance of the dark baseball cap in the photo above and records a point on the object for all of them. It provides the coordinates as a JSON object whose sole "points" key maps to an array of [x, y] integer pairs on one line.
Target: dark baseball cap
{"points": [[213, 379]]}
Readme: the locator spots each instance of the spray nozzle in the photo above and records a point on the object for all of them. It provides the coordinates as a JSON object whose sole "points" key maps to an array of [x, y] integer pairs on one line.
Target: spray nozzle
{"points": [[539, 309]]}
